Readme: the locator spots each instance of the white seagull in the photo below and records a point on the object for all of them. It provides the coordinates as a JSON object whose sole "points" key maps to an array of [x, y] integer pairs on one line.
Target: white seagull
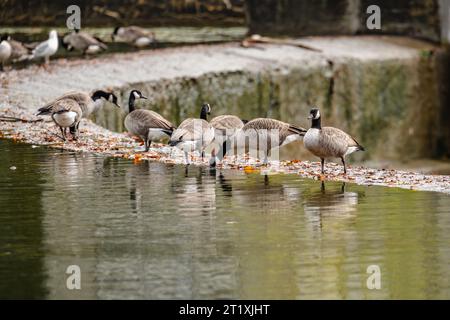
{"points": [[47, 48]]}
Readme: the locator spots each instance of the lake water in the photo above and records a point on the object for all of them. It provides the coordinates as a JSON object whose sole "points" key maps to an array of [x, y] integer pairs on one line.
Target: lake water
{"points": [[153, 231]]}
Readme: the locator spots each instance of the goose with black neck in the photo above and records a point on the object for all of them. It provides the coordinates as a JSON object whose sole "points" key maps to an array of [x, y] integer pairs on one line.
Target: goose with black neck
{"points": [[148, 125]]}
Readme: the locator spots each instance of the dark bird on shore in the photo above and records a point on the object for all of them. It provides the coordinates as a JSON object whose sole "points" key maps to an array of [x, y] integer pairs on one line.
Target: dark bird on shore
{"points": [[328, 142], [88, 103], [134, 35], [146, 124], [83, 42], [66, 113]]}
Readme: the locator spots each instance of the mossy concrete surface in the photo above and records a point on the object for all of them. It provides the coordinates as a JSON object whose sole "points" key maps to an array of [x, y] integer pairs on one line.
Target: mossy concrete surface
{"points": [[388, 92]]}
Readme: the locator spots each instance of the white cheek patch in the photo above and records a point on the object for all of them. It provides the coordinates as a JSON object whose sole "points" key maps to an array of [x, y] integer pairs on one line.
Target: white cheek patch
{"points": [[318, 115], [136, 95]]}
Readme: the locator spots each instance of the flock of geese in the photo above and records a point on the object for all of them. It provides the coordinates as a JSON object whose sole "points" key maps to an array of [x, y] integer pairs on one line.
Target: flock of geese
{"points": [[193, 134], [196, 134], [12, 51]]}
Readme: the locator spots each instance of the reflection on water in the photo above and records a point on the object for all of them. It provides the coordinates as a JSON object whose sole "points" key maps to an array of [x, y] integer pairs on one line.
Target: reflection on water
{"points": [[154, 231]]}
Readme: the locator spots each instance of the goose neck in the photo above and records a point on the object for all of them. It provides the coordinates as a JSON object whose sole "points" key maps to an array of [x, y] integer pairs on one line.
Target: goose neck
{"points": [[204, 115], [316, 124], [131, 101]]}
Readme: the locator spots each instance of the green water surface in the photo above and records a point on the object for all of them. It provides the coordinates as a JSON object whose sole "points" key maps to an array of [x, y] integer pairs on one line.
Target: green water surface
{"points": [[154, 231]]}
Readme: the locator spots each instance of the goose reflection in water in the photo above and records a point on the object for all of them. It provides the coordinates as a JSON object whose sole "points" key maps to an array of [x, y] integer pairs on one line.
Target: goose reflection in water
{"points": [[330, 203]]}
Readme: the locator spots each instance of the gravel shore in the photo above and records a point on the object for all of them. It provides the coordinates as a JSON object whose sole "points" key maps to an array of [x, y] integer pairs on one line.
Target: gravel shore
{"points": [[95, 139]]}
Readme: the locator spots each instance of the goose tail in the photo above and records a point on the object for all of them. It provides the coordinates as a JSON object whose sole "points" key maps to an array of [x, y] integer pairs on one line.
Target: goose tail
{"points": [[297, 130], [44, 111]]}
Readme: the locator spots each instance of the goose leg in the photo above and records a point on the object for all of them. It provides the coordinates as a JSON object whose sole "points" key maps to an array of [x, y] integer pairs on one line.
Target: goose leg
{"points": [[74, 131], [186, 157], [345, 167], [63, 133], [212, 160], [148, 143], [323, 165]]}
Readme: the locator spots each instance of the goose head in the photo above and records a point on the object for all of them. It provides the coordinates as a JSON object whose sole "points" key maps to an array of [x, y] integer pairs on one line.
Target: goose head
{"points": [[136, 94], [102, 96], [314, 114], [115, 33], [205, 112], [5, 37]]}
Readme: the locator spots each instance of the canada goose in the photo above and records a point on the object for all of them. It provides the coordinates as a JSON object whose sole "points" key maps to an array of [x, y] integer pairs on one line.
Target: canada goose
{"points": [[194, 134], [265, 131], [83, 42], [47, 48], [66, 113], [146, 124], [19, 51], [88, 103], [136, 36], [5, 52], [328, 142], [225, 127]]}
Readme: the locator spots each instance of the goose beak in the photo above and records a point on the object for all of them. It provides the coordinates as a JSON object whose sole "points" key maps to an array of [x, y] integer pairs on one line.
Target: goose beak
{"points": [[117, 105], [143, 97]]}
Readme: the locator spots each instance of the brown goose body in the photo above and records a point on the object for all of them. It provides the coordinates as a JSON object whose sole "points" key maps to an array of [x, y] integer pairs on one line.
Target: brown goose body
{"points": [[66, 113], [18, 51], [226, 124], [148, 125], [84, 100], [329, 142], [83, 42], [264, 134], [285, 132], [137, 36], [194, 134]]}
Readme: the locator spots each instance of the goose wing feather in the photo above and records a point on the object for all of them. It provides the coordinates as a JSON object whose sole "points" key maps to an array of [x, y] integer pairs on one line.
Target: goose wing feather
{"points": [[140, 121], [336, 142], [192, 130], [19, 51], [226, 122], [81, 98], [82, 41], [67, 105]]}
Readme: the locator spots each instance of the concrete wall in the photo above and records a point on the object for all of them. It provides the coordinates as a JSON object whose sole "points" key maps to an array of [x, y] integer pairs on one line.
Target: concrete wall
{"points": [[428, 19]]}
